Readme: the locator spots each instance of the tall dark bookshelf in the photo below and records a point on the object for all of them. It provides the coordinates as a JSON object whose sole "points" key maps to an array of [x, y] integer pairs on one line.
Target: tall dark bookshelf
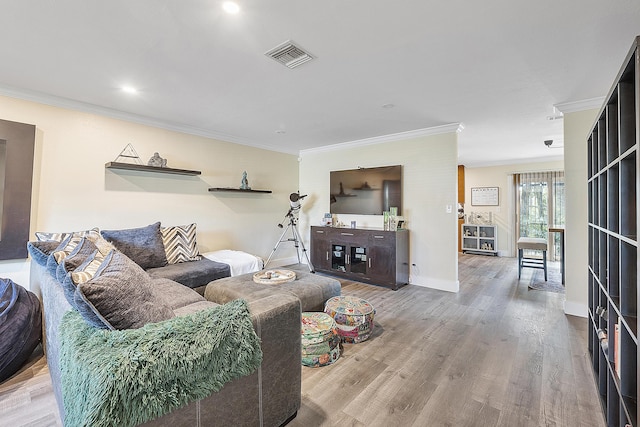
{"points": [[613, 175]]}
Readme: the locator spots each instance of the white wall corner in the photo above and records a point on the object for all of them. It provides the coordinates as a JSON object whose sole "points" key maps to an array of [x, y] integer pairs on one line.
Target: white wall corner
{"points": [[576, 309], [439, 284], [17, 270]]}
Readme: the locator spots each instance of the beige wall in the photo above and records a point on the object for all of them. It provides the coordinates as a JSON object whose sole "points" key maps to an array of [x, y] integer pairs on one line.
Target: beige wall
{"points": [[577, 126], [73, 191], [429, 185], [504, 214]]}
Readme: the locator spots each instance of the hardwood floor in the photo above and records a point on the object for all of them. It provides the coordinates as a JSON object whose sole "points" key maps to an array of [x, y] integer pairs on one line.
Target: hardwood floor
{"points": [[494, 354], [26, 399]]}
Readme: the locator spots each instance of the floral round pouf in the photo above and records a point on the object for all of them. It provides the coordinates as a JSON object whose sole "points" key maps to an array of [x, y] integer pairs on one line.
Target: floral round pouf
{"points": [[353, 317], [321, 343]]}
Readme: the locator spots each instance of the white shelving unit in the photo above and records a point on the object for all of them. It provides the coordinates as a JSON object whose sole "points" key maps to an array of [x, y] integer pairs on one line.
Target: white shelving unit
{"points": [[479, 239]]}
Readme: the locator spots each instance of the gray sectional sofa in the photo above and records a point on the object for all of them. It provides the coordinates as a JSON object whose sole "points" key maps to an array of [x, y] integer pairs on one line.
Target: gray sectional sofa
{"points": [[85, 322]]}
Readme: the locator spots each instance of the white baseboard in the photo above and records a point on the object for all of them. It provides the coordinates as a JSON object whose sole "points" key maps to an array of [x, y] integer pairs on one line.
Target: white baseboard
{"points": [[576, 309], [281, 262], [429, 282]]}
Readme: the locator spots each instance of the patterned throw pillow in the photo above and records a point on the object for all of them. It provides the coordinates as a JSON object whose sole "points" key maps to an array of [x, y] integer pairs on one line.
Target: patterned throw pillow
{"points": [[42, 236], [103, 246], [82, 273], [88, 269], [75, 258], [180, 243], [61, 252], [66, 247]]}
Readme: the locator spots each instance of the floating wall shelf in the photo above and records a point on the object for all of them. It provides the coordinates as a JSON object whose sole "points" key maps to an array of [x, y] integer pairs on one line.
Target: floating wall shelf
{"points": [[144, 168], [237, 190]]}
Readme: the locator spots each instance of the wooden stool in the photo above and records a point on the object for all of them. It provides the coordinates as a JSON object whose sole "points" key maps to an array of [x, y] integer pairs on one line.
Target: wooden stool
{"points": [[536, 244]]}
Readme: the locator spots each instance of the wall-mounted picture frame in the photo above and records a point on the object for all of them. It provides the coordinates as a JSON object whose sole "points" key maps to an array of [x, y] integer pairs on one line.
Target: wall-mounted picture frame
{"points": [[485, 196]]}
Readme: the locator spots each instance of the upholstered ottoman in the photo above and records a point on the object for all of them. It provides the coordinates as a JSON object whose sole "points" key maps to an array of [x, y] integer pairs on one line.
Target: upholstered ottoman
{"points": [[353, 316], [312, 290], [321, 343]]}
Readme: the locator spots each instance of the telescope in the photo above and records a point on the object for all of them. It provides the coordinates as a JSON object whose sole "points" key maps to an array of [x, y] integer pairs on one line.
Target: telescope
{"points": [[294, 203], [294, 200]]}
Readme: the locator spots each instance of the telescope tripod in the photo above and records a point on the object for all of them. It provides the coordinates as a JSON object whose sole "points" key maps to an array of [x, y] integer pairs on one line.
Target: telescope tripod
{"points": [[297, 241]]}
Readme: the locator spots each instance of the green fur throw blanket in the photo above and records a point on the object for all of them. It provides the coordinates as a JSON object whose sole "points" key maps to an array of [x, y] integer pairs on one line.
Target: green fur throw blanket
{"points": [[124, 378]]}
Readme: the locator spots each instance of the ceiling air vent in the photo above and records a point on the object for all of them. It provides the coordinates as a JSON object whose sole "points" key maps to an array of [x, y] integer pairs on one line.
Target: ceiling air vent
{"points": [[289, 55]]}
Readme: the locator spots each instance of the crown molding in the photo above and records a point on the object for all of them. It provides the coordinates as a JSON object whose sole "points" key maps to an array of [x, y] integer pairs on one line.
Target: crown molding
{"points": [[585, 104], [507, 162], [84, 107], [435, 130], [61, 102]]}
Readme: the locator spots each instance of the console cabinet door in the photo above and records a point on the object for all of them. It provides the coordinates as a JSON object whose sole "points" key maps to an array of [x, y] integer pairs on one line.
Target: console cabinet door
{"points": [[382, 258], [320, 249]]}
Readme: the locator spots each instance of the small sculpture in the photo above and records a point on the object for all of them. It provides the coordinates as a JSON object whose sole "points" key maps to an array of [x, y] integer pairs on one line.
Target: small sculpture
{"points": [[157, 161], [245, 182]]}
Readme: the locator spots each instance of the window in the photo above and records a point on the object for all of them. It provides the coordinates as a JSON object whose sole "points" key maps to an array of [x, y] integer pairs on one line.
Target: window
{"points": [[539, 205]]}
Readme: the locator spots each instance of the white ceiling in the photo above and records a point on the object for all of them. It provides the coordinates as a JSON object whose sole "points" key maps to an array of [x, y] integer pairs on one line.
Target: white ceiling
{"points": [[497, 67]]}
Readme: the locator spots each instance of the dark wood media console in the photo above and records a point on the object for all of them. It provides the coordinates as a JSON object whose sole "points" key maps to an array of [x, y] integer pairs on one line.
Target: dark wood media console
{"points": [[371, 256]]}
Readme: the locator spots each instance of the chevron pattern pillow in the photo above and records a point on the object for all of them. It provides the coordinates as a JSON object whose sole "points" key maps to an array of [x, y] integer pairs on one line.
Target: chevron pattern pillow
{"points": [[42, 236], [180, 243]]}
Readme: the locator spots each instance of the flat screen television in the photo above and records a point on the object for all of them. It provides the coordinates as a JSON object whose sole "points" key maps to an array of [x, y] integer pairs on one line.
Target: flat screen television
{"points": [[366, 191]]}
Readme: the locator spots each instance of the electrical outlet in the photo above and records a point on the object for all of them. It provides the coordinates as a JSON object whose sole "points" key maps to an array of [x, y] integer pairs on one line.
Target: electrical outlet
{"points": [[449, 208]]}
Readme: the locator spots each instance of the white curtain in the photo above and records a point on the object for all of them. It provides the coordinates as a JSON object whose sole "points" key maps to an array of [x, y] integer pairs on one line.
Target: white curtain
{"points": [[540, 205]]}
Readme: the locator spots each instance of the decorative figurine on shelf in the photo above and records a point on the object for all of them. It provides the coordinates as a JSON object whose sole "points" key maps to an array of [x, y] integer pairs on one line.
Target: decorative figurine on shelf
{"points": [[157, 161], [245, 182]]}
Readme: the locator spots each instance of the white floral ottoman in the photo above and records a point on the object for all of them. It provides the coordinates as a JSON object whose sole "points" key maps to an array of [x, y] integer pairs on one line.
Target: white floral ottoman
{"points": [[353, 317], [321, 343]]}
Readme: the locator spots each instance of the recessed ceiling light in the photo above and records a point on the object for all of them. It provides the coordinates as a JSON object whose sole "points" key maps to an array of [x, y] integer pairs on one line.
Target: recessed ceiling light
{"points": [[231, 7], [388, 106], [129, 89]]}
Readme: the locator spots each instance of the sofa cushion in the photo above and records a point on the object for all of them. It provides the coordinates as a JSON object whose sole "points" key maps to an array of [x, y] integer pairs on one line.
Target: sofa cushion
{"points": [[180, 243], [143, 245], [41, 250], [120, 296], [174, 294], [194, 273]]}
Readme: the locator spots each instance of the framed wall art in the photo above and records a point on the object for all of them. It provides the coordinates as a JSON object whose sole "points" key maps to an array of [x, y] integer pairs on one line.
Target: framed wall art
{"points": [[484, 196]]}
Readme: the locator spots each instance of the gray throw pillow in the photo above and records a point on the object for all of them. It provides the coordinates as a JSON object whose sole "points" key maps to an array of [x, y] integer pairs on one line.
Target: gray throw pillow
{"points": [[40, 251], [120, 296], [143, 245]]}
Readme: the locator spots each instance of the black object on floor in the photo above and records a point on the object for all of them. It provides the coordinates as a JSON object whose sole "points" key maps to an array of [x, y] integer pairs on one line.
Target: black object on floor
{"points": [[20, 326]]}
